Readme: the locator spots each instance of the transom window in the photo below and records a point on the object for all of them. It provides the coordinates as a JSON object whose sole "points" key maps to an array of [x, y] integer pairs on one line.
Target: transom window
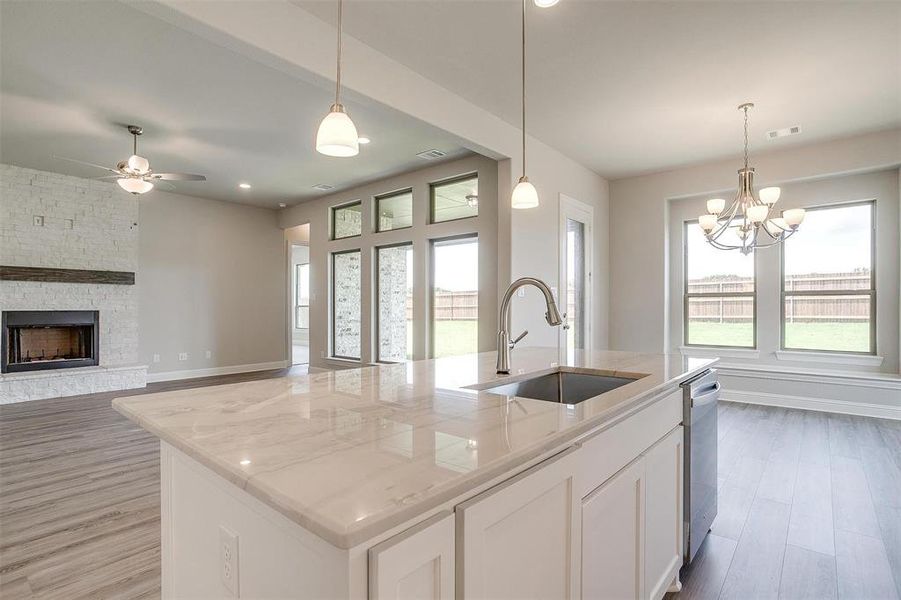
{"points": [[456, 198], [719, 294], [394, 211], [828, 286], [347, 220]]}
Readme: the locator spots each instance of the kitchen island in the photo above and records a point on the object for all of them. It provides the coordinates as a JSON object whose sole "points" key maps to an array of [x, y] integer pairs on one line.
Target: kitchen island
{"points": [[414, 481]]}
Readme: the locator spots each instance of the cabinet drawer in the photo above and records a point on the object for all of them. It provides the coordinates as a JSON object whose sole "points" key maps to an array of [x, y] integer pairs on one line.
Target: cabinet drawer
{"points": [[614, 448]]}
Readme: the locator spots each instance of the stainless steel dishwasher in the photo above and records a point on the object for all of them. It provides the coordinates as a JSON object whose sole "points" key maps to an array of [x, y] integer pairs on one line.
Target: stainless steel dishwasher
{"points": [[700, 396]]}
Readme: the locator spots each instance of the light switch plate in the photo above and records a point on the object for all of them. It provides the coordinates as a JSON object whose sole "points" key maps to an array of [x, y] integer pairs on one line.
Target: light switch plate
{"points": [[38, 221], [156, 358], [209, 354], [182, 356]]}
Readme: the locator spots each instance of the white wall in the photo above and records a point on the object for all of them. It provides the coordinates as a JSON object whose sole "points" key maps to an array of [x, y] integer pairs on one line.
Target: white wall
{"points": [[211, 277]]}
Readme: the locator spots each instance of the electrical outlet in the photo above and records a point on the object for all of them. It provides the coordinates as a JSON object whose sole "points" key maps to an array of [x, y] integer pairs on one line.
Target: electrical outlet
{"points": [[156, 358], [38, 221], [521, 292], [228, 560], [209, 354], [182, 356]]}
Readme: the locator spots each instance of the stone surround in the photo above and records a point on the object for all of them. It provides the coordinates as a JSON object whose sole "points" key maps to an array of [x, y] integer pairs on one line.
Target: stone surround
{"points": [[52, 220]]}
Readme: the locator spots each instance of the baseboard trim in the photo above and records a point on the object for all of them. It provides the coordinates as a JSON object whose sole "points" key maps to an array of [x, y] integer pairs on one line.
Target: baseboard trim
{"points": [[213, 371], [861, 409]]}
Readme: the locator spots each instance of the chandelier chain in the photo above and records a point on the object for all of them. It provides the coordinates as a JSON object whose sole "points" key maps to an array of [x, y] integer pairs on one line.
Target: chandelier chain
{"points": [[747, 160]]}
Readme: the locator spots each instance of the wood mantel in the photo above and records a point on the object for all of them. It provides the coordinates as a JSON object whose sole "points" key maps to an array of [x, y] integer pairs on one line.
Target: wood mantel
{"points": [[46, 274]]}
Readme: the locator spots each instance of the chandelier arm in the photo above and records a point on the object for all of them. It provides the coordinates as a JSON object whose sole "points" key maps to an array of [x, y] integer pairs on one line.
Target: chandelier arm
{"points": [[722, 228]]}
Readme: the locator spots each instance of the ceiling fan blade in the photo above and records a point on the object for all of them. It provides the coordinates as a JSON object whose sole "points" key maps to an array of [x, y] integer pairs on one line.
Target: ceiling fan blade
{"points": [[109, 177], [163, 185], [178, 177], [81, 162]]}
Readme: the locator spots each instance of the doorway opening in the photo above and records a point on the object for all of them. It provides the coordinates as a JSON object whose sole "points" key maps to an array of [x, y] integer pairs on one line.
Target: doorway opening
{"points": [[299, 294], [576, 242]]}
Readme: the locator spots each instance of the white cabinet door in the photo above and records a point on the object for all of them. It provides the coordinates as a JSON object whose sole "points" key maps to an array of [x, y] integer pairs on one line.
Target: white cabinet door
{"points": [[520, 539], [663, 513], [417, 564], [613, 537]]}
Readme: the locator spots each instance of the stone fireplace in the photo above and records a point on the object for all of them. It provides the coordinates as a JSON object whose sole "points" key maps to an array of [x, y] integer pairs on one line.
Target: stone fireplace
{"points": [[43, 340], [68, 286]]}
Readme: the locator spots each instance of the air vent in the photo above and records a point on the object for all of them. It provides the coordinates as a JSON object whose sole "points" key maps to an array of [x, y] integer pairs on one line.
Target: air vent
{"points": [[323, 187], [787, 131], [431, 154]]}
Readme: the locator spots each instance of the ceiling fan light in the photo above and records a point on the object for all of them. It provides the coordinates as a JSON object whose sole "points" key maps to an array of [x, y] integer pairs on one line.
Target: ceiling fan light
{"points": [[138, 164], [134, 185], [770, 195], [524, 194], [337, 135], [715, 206]]}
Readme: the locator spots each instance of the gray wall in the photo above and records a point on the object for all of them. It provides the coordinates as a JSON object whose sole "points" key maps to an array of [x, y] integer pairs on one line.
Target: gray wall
{"points": [[211, 277]]}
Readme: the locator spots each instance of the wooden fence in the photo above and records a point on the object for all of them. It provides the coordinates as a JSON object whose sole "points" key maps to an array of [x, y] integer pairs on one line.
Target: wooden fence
{"points": [[798, 308]]}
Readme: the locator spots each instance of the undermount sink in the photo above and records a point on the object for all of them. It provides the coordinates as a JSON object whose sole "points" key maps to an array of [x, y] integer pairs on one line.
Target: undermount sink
{"points": [[561, 386]]}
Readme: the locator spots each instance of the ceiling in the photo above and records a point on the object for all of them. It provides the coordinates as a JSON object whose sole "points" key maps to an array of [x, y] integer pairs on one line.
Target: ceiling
{"points": [[634, 87], [73, 73]]}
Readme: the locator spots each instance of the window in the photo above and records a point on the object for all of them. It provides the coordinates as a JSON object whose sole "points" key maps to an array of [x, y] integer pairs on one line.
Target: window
{"points": [[455, 296], [828, 289], [346, 304], [719, 301], [394, 269], [302, 296], [456, 198], [347, 220], [394, 211]]}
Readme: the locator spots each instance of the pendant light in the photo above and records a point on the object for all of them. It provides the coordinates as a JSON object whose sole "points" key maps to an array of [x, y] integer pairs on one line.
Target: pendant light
{"points": [[524, 194], [337, 135]]}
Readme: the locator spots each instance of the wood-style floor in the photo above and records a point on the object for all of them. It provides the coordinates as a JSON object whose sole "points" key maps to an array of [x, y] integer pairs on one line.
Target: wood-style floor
{"points": [[809, 507], [80, 495], [810, 504]]}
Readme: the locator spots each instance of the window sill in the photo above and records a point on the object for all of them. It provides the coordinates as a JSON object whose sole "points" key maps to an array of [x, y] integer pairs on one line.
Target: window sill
{"points": [[714, 352], [860, 360]]}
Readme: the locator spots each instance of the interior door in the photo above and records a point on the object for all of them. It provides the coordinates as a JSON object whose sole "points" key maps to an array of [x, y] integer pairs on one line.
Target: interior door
{"points": [[574, 295]]}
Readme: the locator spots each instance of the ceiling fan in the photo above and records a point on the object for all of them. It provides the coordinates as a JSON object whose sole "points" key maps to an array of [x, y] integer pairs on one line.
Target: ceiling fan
{"points": [[134, 174]]}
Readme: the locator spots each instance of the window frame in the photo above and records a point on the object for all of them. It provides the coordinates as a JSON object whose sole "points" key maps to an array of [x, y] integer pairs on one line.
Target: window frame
{"points": [[431, 291], [686, 296], [332, 339], [446, 181], [376, 296], [387, 196], [783, 294], [334, 209], [297, 304]]}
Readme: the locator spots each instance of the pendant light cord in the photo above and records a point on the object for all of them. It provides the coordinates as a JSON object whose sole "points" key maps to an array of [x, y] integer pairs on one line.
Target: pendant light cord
{"points": [[523, 88], [338, 77], [135, 145]]}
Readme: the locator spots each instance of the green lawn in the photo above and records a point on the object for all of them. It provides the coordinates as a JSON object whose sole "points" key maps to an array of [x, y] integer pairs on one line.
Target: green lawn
{"points": [[842, 337], [456, 337]]}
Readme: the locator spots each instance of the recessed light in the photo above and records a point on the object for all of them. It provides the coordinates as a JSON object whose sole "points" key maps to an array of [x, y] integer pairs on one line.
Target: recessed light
{"points": [[245, 462], [244, 186], [545, 3], [363, 139], [282, 205]]}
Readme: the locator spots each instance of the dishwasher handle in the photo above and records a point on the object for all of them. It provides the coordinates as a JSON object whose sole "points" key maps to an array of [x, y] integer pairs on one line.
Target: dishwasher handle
{"points": [[706, 397]]}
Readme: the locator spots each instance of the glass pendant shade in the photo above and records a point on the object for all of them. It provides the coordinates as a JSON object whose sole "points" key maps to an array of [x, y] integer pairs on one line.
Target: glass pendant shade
{"points": [[138, 164], [715, 206], [757, 213], [337, 135], [707, 222], [135, 185], [770, 195], [524, 194], [793, 216]]}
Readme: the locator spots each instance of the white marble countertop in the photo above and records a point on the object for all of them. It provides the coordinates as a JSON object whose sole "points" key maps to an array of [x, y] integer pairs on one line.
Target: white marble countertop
{"points": [[350, 454]]}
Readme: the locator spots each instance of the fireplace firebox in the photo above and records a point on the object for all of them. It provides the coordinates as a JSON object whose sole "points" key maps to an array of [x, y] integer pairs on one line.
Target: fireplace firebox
{"points": [[36, 340]]}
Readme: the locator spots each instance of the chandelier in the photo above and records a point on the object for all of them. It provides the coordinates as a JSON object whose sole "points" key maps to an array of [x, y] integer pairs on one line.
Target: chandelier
{"points": [[750, 221]]}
